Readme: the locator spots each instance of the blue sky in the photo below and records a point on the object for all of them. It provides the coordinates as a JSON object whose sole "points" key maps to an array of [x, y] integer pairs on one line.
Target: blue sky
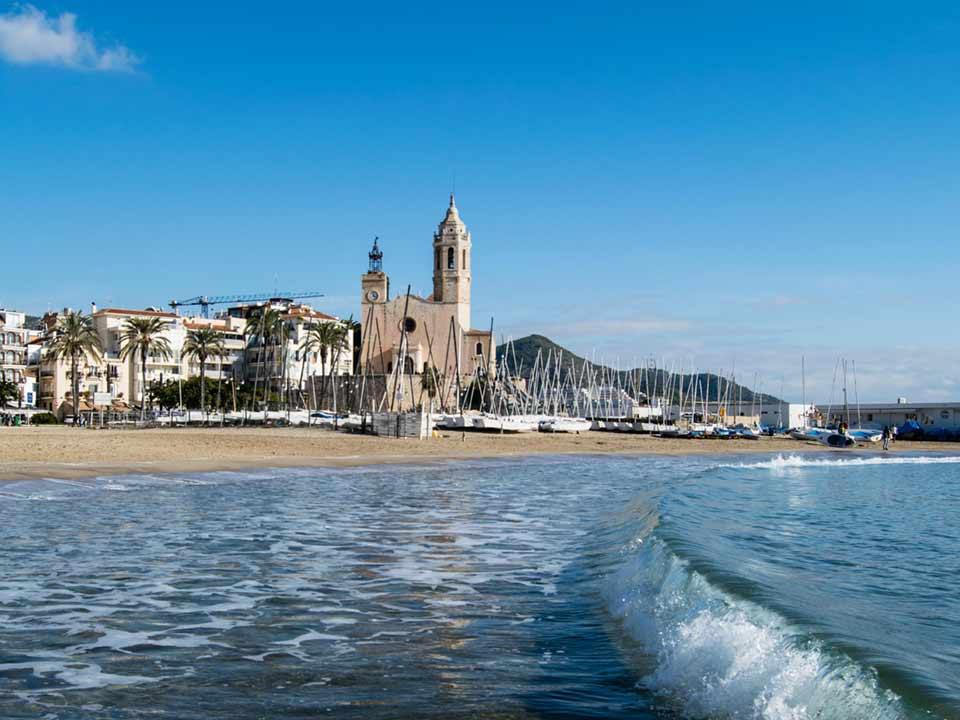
{"points": [[708, 183]]}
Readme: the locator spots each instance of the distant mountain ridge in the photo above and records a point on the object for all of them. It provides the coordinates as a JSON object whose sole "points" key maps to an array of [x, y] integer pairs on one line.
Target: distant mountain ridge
{"points": [[523, 355]]}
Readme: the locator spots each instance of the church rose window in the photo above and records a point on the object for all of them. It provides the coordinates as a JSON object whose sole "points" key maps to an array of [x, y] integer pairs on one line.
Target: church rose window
{"points": [[409, 325]]}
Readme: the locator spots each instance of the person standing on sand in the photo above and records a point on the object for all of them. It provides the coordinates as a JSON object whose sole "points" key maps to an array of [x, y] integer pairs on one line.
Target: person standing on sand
{"points": [[886, 437]]}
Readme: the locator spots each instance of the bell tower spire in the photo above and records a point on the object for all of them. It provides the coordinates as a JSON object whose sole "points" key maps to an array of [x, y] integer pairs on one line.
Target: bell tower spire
{"points": [[376, 257], [451, 262]]}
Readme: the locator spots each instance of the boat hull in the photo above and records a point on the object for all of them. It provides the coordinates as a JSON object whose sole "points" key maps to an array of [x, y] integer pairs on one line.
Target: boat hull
{"points": [[836, 440], [565, 425]]}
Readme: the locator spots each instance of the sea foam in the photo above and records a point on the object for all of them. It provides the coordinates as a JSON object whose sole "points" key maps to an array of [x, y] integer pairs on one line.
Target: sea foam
{"points": [[721, 657], [781, 462]]}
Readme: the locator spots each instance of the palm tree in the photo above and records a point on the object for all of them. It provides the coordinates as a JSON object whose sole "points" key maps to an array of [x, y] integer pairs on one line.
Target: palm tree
{"points": [[202, 344], [322, 338], [141, 337], [264, 327], [75, 338]]}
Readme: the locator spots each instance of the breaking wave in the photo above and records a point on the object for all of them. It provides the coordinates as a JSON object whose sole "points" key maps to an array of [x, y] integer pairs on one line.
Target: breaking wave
{"points": [[722, 657], [795, 461]]}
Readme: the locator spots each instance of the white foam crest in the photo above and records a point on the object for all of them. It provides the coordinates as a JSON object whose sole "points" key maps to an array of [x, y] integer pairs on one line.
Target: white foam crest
{"points": [[122, 640], [781, 462], [309, 636], [79, 676], [719, 657]]}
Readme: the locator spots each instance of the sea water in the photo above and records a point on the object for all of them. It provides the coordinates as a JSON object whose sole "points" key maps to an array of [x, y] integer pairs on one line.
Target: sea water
{"points": [[798, 587]]}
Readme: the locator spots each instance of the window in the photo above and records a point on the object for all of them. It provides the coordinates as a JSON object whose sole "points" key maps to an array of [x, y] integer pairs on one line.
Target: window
{"points": [[451, 264], [390, 366], [463, 263], [408, 365], [409, 325], [479, 348], [438, 258]]}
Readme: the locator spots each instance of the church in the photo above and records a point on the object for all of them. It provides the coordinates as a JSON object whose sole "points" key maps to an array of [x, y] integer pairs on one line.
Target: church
{"points": [[409, 333]]}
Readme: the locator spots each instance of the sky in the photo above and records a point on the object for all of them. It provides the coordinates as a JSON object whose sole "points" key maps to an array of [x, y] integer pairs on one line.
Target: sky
{"points": [[715, 185]]}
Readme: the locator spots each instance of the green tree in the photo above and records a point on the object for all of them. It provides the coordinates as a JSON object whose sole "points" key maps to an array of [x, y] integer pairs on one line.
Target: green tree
{"points": [[75, 338], [166, 395], [141, 337], [9, 392], [202, 344]]}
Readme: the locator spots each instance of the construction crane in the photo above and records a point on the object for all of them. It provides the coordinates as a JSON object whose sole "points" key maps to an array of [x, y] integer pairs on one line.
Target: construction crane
{"points": [[205, 301]]}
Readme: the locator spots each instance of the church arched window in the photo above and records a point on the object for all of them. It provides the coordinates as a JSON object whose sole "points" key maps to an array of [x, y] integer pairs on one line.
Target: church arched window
{"points": [[451, 259], [463, 262], [438, 255], [479, 348], [408, 365]]}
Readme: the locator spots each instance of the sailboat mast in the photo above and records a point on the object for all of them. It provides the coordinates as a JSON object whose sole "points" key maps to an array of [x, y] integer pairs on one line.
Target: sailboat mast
{"points": [[803, 391], [846, 407]]}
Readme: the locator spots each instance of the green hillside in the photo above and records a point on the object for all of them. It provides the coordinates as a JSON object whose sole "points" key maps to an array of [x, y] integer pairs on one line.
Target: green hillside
{"points": [[524, 352]]}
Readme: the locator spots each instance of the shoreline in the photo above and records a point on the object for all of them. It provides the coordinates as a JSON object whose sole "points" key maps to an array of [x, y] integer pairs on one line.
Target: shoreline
{"points": [[58, 452]]}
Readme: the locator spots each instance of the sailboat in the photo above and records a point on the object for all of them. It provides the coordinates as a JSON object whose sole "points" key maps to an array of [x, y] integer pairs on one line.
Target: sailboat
{"points": [[837, 440], [503, 423], [841, 439], [565, 425]]}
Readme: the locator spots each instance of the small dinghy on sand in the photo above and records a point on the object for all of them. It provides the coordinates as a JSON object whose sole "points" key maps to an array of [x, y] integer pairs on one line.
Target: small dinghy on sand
{"points": [[565, 425], [836, 440]]}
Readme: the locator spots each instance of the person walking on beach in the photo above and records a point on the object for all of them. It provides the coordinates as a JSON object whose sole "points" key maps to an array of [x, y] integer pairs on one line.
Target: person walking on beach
{"points": [[886, 437]]}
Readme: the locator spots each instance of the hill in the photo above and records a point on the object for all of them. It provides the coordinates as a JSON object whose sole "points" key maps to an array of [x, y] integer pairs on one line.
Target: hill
{"points": [[524, 353]]}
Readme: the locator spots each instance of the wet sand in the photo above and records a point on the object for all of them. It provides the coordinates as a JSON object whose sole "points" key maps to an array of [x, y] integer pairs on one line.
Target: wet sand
{"points": [[65, 452]]}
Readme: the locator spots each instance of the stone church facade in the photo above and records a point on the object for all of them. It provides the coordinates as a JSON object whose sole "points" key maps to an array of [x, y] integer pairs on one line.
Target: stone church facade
{"points": [[406, 333]]}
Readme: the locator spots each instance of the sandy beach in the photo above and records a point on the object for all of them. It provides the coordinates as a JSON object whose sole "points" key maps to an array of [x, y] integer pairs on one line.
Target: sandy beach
{"points": [[64, 452]]}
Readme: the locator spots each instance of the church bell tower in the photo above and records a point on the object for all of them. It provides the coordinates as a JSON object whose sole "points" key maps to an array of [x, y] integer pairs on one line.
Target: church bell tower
{"points": [[451, 262], [375, 284]]}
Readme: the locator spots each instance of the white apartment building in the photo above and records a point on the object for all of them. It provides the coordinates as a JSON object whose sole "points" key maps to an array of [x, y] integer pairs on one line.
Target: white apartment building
{"points": [[232, 331], [121, 380], [265, 363], [15, 339], [109, 376]]}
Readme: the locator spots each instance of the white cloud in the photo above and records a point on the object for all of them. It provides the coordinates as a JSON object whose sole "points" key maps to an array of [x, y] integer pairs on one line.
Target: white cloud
{"points": [[29, 36]]}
